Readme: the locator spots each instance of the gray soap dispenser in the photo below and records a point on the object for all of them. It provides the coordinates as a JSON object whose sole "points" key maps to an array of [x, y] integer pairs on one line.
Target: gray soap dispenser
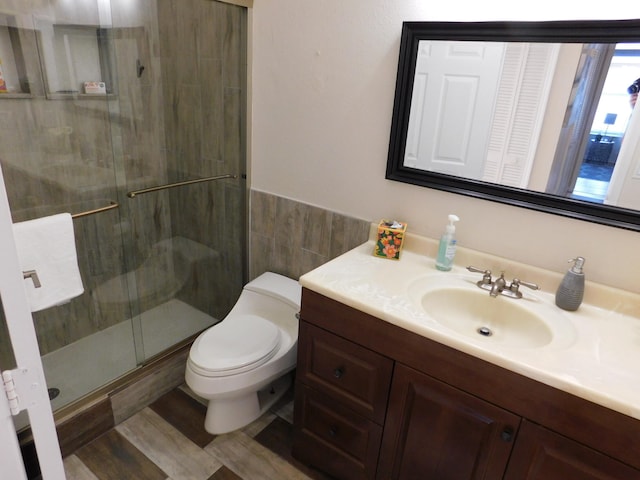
{"points": [[571, 290]]}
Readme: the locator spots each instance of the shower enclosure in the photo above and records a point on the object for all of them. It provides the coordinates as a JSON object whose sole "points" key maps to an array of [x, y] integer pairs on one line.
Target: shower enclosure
{"points": [[99, 101]]}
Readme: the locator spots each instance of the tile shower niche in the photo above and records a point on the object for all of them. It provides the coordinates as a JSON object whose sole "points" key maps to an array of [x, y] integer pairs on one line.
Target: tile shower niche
{"points": [[72, 55], [13, 65], [41, 58]]}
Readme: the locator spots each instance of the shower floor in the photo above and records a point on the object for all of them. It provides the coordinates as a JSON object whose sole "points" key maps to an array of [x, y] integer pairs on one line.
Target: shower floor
{"points": [[93, 361]]}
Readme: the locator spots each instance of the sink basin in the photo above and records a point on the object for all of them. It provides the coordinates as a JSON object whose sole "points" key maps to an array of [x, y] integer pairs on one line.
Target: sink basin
{"points": [[460, 306], [499, 320]]}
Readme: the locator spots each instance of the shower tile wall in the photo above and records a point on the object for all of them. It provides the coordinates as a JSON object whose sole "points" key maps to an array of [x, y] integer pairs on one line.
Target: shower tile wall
{"points": [[182, 118], [204, 73], [292, 238]]}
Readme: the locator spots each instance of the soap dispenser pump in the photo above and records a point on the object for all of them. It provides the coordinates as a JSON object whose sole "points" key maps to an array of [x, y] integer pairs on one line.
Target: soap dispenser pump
{"points": [[571, 290], [447, 247]]}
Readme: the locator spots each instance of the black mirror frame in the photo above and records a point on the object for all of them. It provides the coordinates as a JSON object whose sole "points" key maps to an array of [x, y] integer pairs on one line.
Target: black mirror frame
{"points": [[582, 31]]}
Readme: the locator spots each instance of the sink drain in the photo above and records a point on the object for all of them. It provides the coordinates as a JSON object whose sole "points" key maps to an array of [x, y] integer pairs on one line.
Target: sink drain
{"points": [[53, 392], [485, 331]]}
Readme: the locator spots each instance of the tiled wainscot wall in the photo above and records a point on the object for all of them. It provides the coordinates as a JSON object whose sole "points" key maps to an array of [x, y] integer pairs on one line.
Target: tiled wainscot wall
{"points": [[292, 238]]}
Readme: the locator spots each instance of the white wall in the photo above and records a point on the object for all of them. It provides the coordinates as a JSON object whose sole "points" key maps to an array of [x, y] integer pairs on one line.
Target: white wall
{"points": [[323, 79]]}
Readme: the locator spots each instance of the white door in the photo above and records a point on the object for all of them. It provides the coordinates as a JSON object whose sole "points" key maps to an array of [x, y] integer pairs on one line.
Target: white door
{"points": [[28, 387], [624, 187], [10, 457], [453, 101]]}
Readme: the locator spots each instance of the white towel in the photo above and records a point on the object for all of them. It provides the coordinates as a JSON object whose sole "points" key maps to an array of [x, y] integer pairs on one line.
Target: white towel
{"points": [[47, 245]]}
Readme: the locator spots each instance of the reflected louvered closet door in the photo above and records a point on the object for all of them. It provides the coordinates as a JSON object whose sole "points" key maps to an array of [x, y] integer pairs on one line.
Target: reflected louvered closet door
{"points": [[521, 102]]}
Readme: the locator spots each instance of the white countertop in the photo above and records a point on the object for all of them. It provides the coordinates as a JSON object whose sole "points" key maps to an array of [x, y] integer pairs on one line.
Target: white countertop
{"points": [[602, 364]]}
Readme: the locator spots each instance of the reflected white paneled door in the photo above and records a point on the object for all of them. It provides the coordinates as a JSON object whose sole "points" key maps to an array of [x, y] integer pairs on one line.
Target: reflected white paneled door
{"points": [[30, 385], [452, 106]]}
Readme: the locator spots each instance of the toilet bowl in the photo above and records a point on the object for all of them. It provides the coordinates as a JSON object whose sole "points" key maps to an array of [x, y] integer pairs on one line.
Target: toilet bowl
{"points": [[242, 365]]}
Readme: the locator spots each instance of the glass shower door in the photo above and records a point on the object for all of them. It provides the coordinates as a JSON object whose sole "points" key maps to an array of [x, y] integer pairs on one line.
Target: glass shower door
{"points": [[182, 74], [106, 97], [58, 156]]}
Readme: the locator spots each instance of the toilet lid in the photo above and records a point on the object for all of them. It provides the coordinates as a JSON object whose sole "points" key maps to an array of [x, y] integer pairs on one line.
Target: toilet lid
{"points": [[237, 344]]}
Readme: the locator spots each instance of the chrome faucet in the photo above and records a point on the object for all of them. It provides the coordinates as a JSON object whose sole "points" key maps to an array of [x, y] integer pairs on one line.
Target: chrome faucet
{"points": [[500, 285]]}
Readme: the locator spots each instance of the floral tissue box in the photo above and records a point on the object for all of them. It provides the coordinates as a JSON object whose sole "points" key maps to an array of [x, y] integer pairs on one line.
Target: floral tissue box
{"points": [[390, 238]]}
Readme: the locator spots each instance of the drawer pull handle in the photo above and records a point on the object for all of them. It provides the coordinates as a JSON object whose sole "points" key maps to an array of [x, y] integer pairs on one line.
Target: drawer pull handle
{"points": [[338, 372], [507, 434]]}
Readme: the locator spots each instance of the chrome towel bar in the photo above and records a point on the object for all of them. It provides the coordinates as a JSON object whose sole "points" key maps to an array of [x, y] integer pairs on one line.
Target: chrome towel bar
{"points": [[179, 184]]}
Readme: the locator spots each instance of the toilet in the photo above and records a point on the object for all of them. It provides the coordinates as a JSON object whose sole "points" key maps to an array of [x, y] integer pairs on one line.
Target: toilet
{"points": [[242, 365]]}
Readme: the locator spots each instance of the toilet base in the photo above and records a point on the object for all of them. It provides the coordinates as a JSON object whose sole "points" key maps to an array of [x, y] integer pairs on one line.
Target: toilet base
{"points": [[231, 413]]}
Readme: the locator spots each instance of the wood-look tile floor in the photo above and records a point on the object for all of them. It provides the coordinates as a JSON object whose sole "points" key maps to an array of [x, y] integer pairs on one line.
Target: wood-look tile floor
{"points": [[167, 440]]}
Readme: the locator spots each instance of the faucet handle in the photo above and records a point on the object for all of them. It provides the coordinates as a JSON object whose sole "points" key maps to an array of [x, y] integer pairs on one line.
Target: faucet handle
{"points": [[514, 288], [478, 270], [486, 276], [517, 282]]}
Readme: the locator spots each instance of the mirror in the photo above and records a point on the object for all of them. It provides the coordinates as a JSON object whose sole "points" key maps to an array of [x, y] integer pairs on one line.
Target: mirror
{"points": [[516, 112]]}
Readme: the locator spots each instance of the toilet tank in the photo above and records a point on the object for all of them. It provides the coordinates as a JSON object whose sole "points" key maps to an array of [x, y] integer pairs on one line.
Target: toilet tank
{"points": [[277, 286]]}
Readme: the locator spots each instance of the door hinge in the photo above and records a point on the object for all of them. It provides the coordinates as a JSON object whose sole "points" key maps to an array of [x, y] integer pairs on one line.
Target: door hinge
{"points": [[22, 389]]}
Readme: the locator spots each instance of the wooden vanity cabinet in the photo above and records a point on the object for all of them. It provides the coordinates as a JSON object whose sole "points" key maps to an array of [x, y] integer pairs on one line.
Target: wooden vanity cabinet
{"points": [[435, 431], [375, 401]]}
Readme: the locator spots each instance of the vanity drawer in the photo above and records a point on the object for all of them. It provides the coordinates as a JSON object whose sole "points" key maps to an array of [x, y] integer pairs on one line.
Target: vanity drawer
{"points": [[353, 375], [333, 437]]}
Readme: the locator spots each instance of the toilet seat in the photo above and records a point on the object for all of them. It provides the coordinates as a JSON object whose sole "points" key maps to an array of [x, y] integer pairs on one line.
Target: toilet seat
{"points": [[236, 345]]}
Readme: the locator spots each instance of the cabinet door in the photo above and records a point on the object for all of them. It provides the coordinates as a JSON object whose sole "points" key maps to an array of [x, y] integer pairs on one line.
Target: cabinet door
{"points": [[437, 432], [543, 455]]}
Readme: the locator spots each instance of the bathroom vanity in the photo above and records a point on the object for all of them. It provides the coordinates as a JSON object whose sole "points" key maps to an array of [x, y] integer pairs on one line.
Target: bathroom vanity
{"points": [[383, 392]]}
